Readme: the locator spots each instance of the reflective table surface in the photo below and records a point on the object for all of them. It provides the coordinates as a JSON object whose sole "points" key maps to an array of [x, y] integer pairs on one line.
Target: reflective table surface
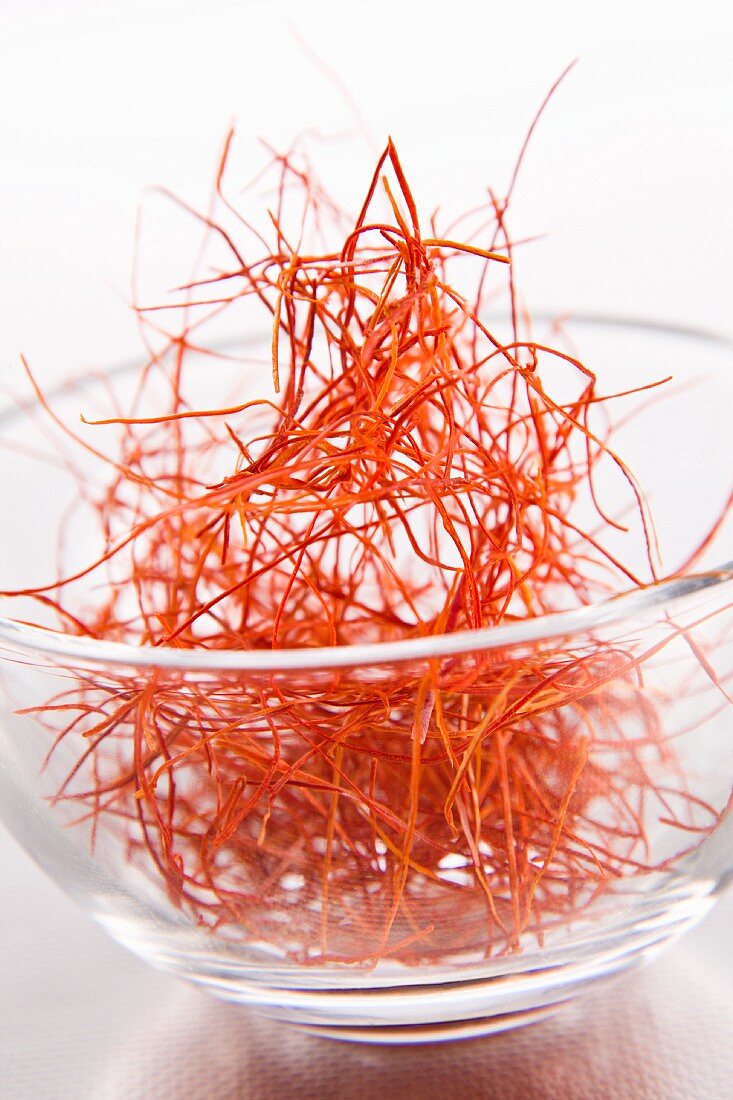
{"points": [[82, 1019]]}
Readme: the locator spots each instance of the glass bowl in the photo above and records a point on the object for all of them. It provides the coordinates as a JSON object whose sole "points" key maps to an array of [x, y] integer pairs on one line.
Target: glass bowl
{"points": [[459, 907]]}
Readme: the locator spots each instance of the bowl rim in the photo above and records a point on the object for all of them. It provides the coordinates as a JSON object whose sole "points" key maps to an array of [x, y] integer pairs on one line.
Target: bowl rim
{"points": [[639, 602]]}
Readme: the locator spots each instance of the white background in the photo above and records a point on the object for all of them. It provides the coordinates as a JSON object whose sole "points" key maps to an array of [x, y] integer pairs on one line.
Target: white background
{"points": [[630, 176]]}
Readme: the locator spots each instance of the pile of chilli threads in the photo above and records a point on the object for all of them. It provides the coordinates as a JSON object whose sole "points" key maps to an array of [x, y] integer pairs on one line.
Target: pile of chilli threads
{"points": [[409, 475]]}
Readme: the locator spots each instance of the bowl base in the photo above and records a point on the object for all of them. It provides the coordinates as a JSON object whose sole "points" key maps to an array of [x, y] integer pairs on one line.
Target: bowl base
{"points": [[413, 1034], [452, 1006]]}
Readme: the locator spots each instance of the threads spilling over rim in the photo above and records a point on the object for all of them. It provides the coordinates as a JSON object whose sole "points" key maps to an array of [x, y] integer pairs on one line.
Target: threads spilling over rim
{"points": [[644, 603]]}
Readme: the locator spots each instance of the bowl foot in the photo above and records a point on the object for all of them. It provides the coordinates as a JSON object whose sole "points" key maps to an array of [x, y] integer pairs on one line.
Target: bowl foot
{"points": [[412, 1034]]}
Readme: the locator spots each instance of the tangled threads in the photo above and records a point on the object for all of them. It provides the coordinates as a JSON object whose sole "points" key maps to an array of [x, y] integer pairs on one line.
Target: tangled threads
{"points": [[409, 474], [304, 814]]}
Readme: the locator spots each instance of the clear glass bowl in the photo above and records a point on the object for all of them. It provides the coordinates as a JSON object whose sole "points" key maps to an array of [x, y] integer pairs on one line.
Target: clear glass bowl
{"points": [[302, 903]]}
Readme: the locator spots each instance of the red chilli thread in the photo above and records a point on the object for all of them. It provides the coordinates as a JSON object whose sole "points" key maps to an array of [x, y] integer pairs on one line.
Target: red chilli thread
{"points": [[412, 476]]}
